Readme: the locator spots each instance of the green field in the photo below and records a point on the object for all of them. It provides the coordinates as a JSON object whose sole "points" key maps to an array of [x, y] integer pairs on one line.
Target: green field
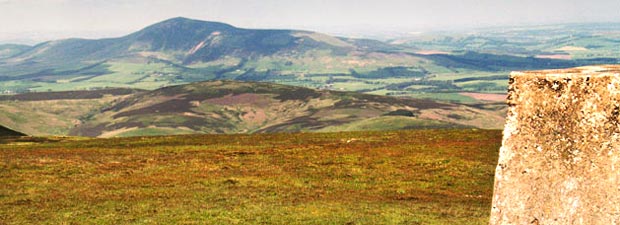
{"points": [[577, 41], [398, 177]]}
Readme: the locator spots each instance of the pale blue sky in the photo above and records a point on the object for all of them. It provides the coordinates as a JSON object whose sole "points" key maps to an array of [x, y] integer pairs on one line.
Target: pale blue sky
{"points": [[94, 18]]}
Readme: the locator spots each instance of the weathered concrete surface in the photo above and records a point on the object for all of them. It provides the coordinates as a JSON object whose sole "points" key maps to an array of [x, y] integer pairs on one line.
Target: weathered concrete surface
{"points": [[559, 159]]}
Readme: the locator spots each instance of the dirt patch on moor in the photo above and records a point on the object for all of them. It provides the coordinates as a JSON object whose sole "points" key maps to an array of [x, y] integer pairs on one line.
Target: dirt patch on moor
{"points": [[485, 96], [240, 99]]}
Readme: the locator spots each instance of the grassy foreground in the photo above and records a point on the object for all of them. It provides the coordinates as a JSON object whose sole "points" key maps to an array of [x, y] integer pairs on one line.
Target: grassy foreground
{"points": [[400, 177]]}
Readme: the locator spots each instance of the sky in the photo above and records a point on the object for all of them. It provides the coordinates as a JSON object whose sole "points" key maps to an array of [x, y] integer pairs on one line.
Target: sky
{"points": [[37, 20]]}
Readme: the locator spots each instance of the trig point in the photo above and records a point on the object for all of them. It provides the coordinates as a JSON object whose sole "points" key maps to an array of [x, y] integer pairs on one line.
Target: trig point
{"points": [[560, 158]]}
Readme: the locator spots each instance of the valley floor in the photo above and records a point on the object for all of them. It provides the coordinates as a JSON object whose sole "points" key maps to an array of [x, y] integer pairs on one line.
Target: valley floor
{"points": [[397, 177]]}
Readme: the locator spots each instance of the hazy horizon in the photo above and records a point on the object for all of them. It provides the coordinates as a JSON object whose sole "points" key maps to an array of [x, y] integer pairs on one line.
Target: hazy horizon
{"points": [[34, 21]]}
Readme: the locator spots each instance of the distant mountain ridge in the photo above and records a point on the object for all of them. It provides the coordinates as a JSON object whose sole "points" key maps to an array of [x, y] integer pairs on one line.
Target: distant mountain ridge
{"points": [[180, 51], [179, 40], [205, 41], [9, 50]]}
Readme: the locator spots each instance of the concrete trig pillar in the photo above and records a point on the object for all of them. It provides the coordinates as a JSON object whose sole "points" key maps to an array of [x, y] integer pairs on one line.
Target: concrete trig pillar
{"points": [[559, 160]]}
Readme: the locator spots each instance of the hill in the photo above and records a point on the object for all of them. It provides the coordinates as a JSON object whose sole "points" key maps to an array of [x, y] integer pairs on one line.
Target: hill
{"points": [[69, 95], [403, 177], [178, 40], [180, 50], [578, 41], [249, 107], [9, 50], [232, 107], [54, 113], [6, 132]]}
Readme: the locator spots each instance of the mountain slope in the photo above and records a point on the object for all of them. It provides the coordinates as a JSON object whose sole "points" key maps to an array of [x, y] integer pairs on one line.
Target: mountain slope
{"points": [[196, 41], [6, 132], [8, 50], [178, 40], [180, 51], [54, 113], [247, 107]]}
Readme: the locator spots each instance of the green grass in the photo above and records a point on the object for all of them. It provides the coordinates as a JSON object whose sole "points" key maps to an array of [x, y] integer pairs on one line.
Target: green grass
{"points": [[48, 117], [416, 87], [121, 74], [354, 86], [391, 123], [482, 86], [153, 132], [404, 177], [448, 97], [311, 69]]}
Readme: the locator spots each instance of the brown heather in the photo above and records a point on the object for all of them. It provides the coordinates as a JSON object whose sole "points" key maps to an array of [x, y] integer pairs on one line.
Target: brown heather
{"points": [[398, 177]]}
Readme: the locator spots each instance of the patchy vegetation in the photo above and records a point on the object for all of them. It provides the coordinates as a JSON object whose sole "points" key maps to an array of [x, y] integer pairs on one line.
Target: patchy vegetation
{"points": [[248, 107], [398, 177], [43, 114], [69, 95], [180, 51], [229, 107]]}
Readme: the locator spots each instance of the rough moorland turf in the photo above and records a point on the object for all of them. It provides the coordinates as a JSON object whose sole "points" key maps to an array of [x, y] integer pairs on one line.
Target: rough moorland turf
{"points": [[400, 177]]}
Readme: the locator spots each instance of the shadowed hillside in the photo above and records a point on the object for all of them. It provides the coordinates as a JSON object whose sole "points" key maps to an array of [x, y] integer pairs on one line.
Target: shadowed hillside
{"points": [[9, 50], [248, 107], [6, 132], [232, 107], [68, 95], [55, 113]]}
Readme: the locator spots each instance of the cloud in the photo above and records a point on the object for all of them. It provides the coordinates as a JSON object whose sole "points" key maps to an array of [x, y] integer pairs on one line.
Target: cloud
{"points": [[26, 2], [129, 15]]}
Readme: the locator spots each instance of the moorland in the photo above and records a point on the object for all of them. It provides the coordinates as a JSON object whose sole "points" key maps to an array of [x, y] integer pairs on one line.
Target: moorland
{"points": [[394, 177], [189, 121]]}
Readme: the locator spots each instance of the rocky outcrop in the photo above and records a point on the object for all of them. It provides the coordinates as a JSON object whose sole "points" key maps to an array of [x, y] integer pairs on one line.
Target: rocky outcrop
{"points": [[559, 160]]}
